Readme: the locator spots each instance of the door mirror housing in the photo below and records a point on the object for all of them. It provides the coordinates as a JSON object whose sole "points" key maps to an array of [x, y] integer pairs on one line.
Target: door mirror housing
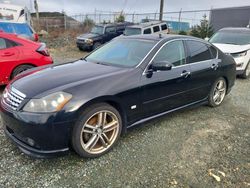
{"points": [[161, 66]]}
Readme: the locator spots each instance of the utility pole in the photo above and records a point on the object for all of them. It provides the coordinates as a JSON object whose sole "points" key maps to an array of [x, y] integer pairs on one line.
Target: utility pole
{"points": [[179, 21], [161, 10], [37, 14]]}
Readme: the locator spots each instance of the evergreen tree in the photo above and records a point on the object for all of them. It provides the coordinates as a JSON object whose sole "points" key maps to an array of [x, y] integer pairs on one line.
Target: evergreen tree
{"points": [[120, 18], [203, 30]]}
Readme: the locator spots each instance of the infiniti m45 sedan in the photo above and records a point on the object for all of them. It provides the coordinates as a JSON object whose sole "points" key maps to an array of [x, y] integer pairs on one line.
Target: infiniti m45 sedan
{"points": [[86, 105]]}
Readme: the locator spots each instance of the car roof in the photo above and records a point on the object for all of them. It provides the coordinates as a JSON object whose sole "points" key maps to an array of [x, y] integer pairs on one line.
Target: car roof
{"points": [[9, 22], [159, 37], [147, 24], [236, 29], [16, 38], [114, 24]]}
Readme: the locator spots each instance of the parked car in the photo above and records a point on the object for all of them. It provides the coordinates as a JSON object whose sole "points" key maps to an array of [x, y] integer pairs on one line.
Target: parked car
{"points": [[235, 41], [147, 28], [91, 102], [19, 54], [21, 29], [99, 35]]}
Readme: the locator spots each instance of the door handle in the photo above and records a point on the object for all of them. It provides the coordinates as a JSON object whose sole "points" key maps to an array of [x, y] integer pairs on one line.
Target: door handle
{"points": [[214, 66], [6, 54], [185, 74]]}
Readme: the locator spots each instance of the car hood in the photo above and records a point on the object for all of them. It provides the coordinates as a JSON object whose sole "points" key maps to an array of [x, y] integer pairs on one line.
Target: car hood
{"points": [[88, 36], [49, 79], [231, 48]]}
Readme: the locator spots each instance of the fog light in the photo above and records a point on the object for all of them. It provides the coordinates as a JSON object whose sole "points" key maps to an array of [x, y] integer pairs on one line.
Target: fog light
{"points": [[30, 142]]}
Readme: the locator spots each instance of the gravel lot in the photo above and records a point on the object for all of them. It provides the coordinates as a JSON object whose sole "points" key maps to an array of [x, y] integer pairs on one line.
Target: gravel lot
{"points": [[177, 150]]}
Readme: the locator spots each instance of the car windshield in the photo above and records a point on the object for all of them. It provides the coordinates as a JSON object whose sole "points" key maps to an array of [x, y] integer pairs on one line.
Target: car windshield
{"points": [[231, 37], [122, 52], [132, 31], [17, 28], [97, 30]]}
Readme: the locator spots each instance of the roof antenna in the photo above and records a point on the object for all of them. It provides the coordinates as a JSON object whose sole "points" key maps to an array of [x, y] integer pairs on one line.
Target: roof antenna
{"points": [[160, 35]]}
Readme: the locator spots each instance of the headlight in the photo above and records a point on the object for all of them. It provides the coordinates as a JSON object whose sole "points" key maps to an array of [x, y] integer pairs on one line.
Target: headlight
{"points": [[241, 54], [51, 103], [89, 41]]}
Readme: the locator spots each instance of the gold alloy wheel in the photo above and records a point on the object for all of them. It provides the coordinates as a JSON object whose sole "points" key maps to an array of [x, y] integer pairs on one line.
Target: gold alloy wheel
{"points": [[99, 132], [219, 92]]}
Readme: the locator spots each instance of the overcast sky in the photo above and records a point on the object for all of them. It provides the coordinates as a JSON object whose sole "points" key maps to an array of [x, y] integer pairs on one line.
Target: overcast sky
{"points": [[129, 6]]}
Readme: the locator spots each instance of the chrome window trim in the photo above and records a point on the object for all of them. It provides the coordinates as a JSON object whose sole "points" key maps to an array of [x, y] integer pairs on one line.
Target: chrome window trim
{"points": [[183, 39], [148, 53], [150, 62]]}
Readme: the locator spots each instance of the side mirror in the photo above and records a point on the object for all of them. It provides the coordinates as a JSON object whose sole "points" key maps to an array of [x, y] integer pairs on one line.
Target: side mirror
{"points": [[161, 66], [207, 39]]}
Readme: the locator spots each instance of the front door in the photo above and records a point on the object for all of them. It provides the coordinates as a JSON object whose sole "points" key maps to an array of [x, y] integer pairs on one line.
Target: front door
{"points": [[167, 90], [110, 33]]}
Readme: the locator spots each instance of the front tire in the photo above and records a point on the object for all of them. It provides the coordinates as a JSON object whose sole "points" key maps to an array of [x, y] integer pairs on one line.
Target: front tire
{"points": [[96, 131], [217, 93]]}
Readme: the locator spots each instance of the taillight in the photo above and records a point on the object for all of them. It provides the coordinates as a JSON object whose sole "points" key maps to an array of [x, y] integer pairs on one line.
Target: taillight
{"points": [[43, 50], [36, 37]]}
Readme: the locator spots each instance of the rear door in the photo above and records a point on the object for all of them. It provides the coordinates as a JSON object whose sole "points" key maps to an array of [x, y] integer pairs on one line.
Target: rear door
{"points": [[9, 56], [8, 51], [203, 68]]}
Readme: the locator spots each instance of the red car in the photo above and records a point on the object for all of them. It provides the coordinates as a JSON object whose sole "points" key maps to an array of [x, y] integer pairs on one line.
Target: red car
{"points": [[18, 54]]}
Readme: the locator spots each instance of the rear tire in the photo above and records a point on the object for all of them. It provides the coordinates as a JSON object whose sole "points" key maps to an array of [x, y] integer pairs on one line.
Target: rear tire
{"points": [[217, 93], [96, 131], [246, 73], [80, 48], [20, 69]]}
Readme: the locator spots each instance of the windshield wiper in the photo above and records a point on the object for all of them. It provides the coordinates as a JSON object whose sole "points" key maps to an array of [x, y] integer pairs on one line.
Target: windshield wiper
{"points": [[231, 43], [101, 63]]}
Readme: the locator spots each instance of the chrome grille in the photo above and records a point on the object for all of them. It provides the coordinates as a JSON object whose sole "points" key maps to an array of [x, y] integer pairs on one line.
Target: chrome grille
{"points": [[12, 98]]}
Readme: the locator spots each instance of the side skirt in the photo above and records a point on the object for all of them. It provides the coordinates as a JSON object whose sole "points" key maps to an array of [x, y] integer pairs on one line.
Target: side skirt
{"points": [[198, 103]]}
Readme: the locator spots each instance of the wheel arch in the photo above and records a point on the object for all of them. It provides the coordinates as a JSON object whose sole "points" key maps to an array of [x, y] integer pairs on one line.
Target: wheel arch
{"points": [[13, 69], [112, 101], [227, 82]]}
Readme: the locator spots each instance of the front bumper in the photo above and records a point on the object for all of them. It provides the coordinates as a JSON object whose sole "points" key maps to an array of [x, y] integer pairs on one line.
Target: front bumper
{"points": [[84, 45], [36, 134], [241, 64]]}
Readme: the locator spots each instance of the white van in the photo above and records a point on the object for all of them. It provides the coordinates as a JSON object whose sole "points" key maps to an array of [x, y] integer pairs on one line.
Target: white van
{"points": [[147, 28], [14, 13]]}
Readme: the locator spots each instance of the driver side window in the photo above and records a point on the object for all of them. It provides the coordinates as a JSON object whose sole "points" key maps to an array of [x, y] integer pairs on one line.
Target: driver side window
{"points": [[110, 30], [172, 52]]}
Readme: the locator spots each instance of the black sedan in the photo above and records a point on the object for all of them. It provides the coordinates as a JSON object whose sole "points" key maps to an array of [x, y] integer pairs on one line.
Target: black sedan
{"points": [[89, 103]]}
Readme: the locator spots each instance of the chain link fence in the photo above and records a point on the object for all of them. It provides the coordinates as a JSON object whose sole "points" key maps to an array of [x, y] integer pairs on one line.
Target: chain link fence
{"points": [[177, 21]]}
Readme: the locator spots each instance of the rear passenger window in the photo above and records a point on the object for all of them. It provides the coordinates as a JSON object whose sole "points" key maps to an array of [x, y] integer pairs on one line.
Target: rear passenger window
{"points": [[164, 27], [147, 31], [156, 29], [3, 44], [198, 51], [213, 51]]}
